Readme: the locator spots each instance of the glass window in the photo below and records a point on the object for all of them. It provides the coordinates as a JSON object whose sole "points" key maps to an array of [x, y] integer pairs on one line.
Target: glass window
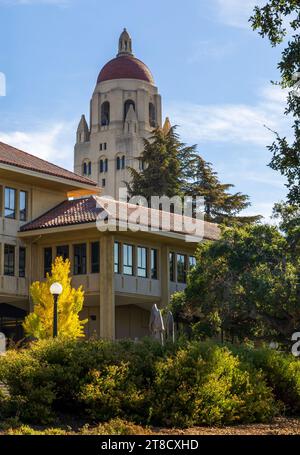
{"points": [[100, 147], [181, 268], [89, 168], [154, 264], [22, 261], [9, 260], [103, 182], [123, 162], [10, 203], [23, 205], [117, 257], [63, 251], [192, 262], [95, 257], [105, 145], [106, 165], [128, 259], [84, 169], [142, 261], [118, 163], [101, 166], [80, 259], [172, 266], [47, 260]]}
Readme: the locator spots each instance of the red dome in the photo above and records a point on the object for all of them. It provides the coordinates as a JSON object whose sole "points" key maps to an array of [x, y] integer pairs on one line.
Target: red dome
{"points": [[125, 67]]}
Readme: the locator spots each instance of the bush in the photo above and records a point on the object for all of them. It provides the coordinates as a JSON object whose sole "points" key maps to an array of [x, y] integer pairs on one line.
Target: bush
{"points": [[190, 383]]}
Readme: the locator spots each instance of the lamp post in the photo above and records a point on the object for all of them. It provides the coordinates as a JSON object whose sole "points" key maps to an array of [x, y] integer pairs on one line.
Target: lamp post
{"points": [[55, 289]]}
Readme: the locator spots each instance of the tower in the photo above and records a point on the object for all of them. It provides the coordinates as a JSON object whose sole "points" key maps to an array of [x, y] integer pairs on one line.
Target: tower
{"points": [[124, 109]]}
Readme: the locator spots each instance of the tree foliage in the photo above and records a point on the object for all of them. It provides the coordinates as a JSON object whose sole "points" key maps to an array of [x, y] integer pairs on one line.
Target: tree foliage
{"points": [[171, 168], [39, 323], [275, 20], [244, 285]]}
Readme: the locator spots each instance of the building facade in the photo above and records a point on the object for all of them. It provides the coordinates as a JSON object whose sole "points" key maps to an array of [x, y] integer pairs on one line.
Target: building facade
{"points": [[47, 211]]}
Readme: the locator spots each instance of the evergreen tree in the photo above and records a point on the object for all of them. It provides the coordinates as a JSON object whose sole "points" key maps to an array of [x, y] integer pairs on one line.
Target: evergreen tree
{"points": [[220, 206]]}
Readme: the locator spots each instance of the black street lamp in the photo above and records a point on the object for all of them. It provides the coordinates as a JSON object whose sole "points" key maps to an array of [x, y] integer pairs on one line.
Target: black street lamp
{"points": [[55, 289]]}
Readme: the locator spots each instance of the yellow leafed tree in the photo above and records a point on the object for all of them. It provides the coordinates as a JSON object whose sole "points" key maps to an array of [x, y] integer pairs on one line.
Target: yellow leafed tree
{"points": [[39, 323]]}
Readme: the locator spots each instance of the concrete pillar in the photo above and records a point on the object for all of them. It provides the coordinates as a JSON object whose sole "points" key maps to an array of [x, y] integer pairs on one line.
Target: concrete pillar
{"points": [[164, 276], [107, 287]]}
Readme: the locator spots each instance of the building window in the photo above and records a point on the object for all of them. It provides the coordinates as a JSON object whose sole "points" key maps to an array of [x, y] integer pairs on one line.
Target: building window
{"points": [[106, 165], [84, 168], [117, 257], [22, 262], [103, 183], [172, 266], [123, 162], [95, 257], [141, 165], [105, 113], [10, 203], [181, 268], [23, 205], [9, 260], [154, 264], [152, 115], [192, 262], [142, 261], [127, 259], [63, 251], [118, 163], [47, 260], [89, 168], [80, 259], [101, 147], [105, 145], [101, 168], [127, 105]]}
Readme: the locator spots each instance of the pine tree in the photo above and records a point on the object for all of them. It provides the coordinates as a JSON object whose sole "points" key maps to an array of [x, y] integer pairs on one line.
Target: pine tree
{"points": [[39, 324], [161, 174], [220, 206]]}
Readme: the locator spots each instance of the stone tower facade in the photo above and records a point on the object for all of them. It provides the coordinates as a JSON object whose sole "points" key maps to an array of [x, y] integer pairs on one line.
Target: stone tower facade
{"points": [[125, 108]]}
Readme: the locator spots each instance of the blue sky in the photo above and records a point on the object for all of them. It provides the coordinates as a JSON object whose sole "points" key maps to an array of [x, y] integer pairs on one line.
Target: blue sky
{"points": [[212, 71]]}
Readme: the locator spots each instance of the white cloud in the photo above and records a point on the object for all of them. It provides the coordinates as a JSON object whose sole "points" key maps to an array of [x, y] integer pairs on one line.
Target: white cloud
{"points": [[209, 49], [236, 13], [53, 143], [233, 123]]}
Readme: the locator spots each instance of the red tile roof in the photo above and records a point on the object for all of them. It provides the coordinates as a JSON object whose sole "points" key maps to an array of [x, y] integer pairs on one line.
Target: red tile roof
{"points": [[86, 210], [125, 67], [15, 157]]}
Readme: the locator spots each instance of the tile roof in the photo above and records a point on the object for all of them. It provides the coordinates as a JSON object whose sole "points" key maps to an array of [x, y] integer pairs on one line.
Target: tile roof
{"points": [[87, 209], [15, 157], [125, 67]]}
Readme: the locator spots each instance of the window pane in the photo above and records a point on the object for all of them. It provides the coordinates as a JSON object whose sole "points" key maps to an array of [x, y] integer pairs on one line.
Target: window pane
{"points": [[172, 266], [192, 261], [63, 251], [9, 260], [117, 257], [95, 257], [154, 264], [10, 203], [80, 259], [181, 268], [47, 260], [142, 262], [23, 205], [22, 262], [128, 259]]}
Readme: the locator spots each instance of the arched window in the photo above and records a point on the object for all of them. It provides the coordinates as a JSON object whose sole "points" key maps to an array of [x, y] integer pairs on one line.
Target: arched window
{"points": [[118, 163], [106, 165], [101, 167], [105, 113], [127, 105], [84, 168], [89, 168], [123, 162], [152, 115]]}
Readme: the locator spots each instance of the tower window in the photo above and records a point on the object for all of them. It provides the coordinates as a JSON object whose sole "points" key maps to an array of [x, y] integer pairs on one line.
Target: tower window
{"points": [[101, 147], [105, 113], [127, 105], [101, 169], [106, 165], [118, 163], [89, 168], [152, 115], [103, 183], [123, 162]]}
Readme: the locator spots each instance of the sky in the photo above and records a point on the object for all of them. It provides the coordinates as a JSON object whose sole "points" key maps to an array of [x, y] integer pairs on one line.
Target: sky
{"points": [[212, 70]]}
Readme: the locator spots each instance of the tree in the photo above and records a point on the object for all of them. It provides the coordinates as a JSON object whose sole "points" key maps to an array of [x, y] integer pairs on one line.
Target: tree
{"points": [[39, 323], [220, 206], [244, 285], [289, 222], [273, 21], [161, 175]]}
